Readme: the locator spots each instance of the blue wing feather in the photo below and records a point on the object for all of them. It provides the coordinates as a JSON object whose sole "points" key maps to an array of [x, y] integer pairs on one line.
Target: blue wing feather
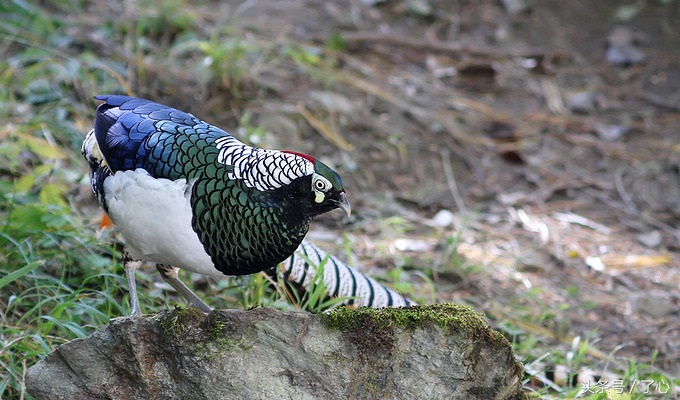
{"points": [[136, 133]]}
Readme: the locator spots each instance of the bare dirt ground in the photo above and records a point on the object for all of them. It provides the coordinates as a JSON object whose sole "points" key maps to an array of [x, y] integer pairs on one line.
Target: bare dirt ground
{"points": [[527, 160]]}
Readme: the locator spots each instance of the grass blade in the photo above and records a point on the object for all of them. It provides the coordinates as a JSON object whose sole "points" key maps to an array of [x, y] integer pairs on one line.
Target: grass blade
{"points": [[14, 275]]}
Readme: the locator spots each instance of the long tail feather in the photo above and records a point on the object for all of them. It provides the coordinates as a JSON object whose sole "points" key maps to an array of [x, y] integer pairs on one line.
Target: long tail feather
{"points": [[341, 280]]}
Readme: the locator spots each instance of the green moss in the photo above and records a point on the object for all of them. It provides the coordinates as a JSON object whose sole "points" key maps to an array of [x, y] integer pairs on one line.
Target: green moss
{"points": [[177, 321], [215, 331], [209, 351], [218, 332], [447, 316], [372, 387], [200, 334], [334, 357], [452, 317]]}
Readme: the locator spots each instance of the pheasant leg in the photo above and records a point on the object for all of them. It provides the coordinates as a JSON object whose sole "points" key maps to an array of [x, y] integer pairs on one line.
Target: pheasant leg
{"points": [[131, 266], [169, 274]]}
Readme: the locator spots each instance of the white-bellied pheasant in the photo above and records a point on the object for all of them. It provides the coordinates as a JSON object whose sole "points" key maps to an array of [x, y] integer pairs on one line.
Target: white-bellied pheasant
{"points": [[186, 194]]}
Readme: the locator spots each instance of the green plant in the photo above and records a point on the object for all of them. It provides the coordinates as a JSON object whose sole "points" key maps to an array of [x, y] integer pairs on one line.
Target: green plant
{"points": [[257, 292], [225, 59], [315, 298], [582, 371], [55, 286]]}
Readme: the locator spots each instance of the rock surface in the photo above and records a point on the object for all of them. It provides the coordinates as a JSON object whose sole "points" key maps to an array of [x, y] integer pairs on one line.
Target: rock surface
{"points": [[428, 352]]}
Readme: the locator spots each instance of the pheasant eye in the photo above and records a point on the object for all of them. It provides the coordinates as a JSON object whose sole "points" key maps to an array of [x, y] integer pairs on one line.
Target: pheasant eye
{"points": [[321, 185]]}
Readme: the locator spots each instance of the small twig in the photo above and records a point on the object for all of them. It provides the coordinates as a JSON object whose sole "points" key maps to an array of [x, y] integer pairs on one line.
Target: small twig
{"points": [[618, 183], [531, 225], [429, 45], [23, 380], [451, 181], [489, 112], [553, 98], [572, 218], [325, 131], [660, 101]]}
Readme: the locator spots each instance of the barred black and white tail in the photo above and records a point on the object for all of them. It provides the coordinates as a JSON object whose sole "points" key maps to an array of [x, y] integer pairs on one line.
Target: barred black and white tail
{"points": [[341, 280]]}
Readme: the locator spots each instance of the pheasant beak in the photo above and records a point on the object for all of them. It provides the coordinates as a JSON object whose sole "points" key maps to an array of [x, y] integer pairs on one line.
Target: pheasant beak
{"points": [[343, 204]]}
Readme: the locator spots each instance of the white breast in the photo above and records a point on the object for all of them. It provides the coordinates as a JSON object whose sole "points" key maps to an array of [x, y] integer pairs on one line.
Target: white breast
{"points": [[154, 216]]}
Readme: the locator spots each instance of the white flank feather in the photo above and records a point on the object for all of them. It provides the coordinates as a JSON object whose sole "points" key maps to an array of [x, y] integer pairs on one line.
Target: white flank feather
{"points": [[154, 216]]}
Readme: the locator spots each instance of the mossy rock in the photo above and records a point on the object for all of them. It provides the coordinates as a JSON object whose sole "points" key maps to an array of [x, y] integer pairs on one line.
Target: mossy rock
{"points": [[427, 352]]}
